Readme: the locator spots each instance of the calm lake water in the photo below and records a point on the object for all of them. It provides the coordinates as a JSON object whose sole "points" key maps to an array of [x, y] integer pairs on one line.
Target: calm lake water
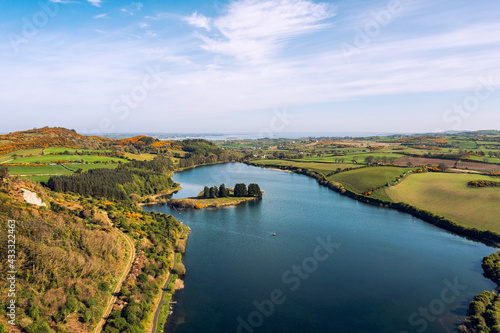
{"points": [[387, 272]]}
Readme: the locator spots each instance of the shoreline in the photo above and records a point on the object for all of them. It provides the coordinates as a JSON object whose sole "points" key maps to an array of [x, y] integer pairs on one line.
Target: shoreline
{"points": [[200, 203], [486, 237], [164, 287], [159, 195]]}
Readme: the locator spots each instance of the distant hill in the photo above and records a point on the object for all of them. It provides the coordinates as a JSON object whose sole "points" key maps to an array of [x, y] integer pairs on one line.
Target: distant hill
{"points": [[48, 136], [61, 137]]}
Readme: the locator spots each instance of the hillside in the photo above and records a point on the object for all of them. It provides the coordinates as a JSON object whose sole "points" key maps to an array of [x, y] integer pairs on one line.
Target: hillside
{"points": [[66, 256], [75, 249], [48, 137]]}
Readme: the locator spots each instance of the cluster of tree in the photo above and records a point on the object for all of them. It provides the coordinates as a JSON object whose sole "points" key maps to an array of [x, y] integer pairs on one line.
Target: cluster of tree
{"points": [[4, 172], [205, 152], [216, 192], [240, 190], [140, 177], [483, 183], [483, 315], [379, 159]]}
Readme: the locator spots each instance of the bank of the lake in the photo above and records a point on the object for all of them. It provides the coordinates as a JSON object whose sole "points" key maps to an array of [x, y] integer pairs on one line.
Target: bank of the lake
{"points": [[200, 203], [486, 236], [388, 264]]}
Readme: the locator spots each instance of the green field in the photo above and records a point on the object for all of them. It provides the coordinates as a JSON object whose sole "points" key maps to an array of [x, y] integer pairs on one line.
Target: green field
{"points": [[38, 173], [58, 150], [23, 152], [448, 195], [38, 170], [37, 179], [364, 179], [87, 167], [359, 155], [323, 168], [74, 158]]}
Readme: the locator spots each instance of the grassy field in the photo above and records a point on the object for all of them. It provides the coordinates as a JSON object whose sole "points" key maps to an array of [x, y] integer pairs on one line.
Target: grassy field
{"points": [[208, 203], [38, 173], [74, 158], [449, 196], [38, 170], [87, 167], [38, 179], [58, 150], [323, 168], [359, 155], [139, 157], [365, 179], [23, 152]]}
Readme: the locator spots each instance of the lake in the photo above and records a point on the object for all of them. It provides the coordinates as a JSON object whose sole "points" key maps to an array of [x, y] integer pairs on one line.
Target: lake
{"points": [[335, 264]]}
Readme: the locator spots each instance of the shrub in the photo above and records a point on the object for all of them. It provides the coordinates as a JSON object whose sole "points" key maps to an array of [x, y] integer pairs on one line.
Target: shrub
{"points": [[104, 286], [71, 304], [133, 313], [34, 312], [180, 269], [142, 277], [39, 328]]}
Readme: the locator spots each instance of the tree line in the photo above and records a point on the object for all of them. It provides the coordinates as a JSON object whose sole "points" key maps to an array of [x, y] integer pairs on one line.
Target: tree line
{"points": [[240, 190]]}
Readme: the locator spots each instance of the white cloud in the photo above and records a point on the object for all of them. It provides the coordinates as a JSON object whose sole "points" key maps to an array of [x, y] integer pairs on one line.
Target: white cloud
{"points": [[198, 20], [96, 3], [101, 16], [63, 1], [133, 8], [143, 25], [62, 72], [254, 29]]}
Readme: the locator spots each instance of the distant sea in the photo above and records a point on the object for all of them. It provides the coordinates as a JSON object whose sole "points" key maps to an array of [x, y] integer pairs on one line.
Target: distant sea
{"points": [[244, 136]]}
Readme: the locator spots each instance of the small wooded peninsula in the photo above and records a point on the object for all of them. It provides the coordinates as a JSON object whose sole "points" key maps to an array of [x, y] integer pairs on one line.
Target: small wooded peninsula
{"points": [[219, 196]]}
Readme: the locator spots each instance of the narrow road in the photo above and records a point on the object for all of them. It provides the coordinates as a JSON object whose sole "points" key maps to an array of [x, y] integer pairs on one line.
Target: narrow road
{"points": [[164, 289], [120, 281]]}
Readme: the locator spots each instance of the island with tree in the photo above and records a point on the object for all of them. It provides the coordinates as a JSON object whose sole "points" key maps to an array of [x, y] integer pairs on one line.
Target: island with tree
{"points": [[219, 196]]}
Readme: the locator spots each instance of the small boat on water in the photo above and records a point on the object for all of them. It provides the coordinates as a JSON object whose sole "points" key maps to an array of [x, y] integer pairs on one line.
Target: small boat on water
{"points": [[274, 234]]}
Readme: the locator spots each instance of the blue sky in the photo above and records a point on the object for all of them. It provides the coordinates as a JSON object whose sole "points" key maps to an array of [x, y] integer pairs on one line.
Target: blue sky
{"points": [[250, 65]]}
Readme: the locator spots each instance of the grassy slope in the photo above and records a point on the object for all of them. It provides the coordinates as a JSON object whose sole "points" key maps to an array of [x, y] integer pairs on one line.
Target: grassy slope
{"points": [[38, 170], [367, 178], [63, 149], [140, 157], [75, 158], [23, 152], [42, 173], [51, 260], [448, 195]]}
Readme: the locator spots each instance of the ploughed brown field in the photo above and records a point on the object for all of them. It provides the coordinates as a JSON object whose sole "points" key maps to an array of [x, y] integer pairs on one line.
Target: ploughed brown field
{"points": [[416, 161], [486, 167]]}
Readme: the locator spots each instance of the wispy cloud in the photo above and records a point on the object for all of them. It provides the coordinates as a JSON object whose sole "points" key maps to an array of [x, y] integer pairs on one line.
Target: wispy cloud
{"points": [[96, 3], [133, 8], [100, 16], [198, 20], [63, 1], [253, 29]]}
